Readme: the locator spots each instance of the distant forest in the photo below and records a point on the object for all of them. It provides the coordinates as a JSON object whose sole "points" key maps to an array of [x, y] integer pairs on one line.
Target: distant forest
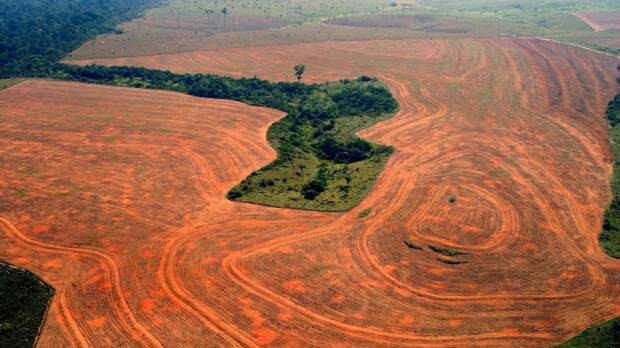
{"points": [[35, 34]]}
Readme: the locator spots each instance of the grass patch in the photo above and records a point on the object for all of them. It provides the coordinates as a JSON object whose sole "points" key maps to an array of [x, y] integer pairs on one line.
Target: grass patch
{"points": [[6, 83], [318, 269], [26, 170], [23, 304], [412, 245], [445, 251], [364, 213], [70, 191], [454, 85], [296, 11], [610, 232], [21, 193], [140, 169], [110, 140], [603, 335]]}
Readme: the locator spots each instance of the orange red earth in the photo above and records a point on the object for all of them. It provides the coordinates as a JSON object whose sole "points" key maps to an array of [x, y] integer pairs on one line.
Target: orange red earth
{"points": [[116, 197]]}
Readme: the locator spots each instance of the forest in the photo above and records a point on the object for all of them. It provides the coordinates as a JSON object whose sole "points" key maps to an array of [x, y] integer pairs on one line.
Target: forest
{"points": [[35, 34], [610, 233], [23, 304]]}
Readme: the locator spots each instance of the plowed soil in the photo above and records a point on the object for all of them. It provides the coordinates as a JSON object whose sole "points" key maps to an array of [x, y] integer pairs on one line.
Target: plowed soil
{"points": [[117, 198]]}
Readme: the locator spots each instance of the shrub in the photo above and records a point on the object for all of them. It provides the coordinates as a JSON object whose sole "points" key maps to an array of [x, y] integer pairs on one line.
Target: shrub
{"points": [[412, 245]]}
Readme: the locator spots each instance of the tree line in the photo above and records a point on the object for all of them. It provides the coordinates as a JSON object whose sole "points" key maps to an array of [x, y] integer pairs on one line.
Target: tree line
{"points": [[610, 232]]}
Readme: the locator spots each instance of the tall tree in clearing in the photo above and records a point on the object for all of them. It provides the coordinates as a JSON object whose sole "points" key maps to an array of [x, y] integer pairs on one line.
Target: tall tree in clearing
{"points": [[299, 71]]}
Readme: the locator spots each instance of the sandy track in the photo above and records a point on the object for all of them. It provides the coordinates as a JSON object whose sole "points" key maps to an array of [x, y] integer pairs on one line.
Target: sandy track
{"points": [[512, 128]]}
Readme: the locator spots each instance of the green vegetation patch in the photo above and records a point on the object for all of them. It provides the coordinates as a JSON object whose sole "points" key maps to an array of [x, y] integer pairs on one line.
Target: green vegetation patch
{"points": [[6, 83], [321, 164], [446, 251], [603, 335], [27, 170], [412, 245], [451, 261], [364, 213], [21, 192], [610, 233], [293, 11], [23, 304]]}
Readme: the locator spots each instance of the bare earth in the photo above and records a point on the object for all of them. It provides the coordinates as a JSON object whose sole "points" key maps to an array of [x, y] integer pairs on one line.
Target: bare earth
{"points": [[117, 198]]}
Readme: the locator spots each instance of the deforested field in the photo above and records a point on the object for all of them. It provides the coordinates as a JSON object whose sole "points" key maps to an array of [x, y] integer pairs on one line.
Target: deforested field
{"points": [[481, 230]]}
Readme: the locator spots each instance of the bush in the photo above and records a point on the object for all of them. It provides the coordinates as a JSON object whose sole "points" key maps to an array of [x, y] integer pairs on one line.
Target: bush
{"points": [[312, 189], [412, 245], [318, 184], [349, 152], [613, 111], [234, 194]]}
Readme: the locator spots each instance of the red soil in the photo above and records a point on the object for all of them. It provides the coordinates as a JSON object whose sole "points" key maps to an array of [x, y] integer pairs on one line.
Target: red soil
{"points": [[512, 128]]}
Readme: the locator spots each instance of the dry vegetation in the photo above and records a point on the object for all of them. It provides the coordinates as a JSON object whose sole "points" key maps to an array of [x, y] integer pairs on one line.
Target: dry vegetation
{"points": [[116, 197], [190, 25], [6, 83], [601, 21], [378, 21], [184, 25], [156, 42]]}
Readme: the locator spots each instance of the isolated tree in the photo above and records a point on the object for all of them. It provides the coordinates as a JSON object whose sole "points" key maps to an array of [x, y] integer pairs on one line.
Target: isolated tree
{"points": [[301, 169], [299, 71]]}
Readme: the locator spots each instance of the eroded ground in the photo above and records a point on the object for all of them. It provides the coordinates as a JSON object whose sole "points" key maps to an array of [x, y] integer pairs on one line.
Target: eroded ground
{"points": [[117, 198]]}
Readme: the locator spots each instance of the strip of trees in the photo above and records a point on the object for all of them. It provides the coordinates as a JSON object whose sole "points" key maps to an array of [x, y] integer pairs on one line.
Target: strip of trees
{"points": [[610, 234]]}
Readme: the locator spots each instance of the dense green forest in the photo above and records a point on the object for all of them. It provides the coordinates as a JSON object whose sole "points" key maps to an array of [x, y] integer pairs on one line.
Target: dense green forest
{"points": [[35, 34], [23, 304], [610, 234], [603, 335]]}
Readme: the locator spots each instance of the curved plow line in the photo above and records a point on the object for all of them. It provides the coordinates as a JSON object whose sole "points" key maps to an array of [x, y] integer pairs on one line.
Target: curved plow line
{"points": [[200, 311]]}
